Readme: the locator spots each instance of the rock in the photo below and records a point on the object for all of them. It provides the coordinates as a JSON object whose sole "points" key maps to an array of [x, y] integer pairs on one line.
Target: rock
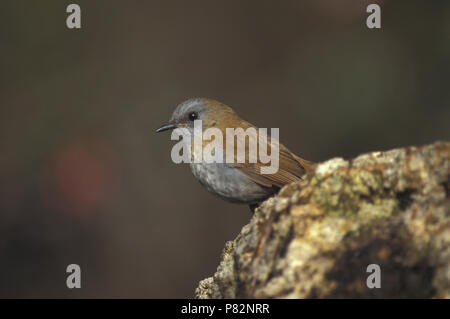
{"points": [[316, 238]]}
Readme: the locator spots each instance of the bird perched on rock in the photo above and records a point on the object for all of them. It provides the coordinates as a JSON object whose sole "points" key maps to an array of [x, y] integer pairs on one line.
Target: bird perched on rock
{"points": [[235, 181]]}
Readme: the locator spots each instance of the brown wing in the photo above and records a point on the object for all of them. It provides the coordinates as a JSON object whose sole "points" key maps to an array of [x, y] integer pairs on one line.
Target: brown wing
{"points": [[291, 167]]}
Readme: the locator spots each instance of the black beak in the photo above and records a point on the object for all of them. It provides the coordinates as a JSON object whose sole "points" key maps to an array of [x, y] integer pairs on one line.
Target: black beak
{"points": [[166, 127]]}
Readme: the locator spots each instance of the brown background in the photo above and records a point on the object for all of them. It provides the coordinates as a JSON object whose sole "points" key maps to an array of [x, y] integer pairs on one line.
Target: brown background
{"points": [[83, 177]]}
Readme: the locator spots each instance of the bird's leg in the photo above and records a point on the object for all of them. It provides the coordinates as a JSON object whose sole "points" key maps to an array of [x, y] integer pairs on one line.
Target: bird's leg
{"points": [[253, 207]]}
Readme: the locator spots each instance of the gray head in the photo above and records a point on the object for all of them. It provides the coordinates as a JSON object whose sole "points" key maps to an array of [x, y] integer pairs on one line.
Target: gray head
{"points": [[188, 111]]}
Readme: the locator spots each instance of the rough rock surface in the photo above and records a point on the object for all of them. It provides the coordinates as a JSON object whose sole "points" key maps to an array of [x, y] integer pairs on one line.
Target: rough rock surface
{"points": [[316, 238]]}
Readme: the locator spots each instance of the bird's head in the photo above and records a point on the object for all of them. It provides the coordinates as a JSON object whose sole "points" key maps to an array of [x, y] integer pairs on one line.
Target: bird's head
{"points": [[212, 114]]}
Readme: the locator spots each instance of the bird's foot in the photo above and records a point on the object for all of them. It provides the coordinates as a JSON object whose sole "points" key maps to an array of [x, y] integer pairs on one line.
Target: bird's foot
{"points": [[253, 207]]}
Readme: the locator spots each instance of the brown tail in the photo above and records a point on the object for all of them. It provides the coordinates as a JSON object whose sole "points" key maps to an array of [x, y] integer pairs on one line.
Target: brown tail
{"points": [[306, 164]]}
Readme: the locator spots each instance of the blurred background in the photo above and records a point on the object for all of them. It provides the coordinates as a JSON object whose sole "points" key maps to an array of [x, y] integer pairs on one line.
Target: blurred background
{"points": [[84, 179]]}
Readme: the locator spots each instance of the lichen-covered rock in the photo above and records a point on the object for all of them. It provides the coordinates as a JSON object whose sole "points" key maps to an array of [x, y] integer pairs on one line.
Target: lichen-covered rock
{"points": [[316, 238]]}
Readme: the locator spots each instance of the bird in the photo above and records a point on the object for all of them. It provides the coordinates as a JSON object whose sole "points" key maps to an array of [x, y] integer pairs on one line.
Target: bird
{"points": [[236, 182]]}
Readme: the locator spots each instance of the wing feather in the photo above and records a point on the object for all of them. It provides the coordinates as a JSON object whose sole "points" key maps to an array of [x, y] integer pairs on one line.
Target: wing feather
{"points": [[291, 167]]}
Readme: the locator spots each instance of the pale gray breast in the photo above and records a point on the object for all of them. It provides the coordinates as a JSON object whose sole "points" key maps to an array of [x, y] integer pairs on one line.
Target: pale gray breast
{"points": [[229, 184]]}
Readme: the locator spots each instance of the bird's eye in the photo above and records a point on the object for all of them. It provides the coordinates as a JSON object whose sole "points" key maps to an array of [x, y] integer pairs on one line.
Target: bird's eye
{"points": [[193, 116]]}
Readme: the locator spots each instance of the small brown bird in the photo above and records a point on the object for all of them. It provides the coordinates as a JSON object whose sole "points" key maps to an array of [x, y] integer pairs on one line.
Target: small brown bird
{"points": [[235, 182]]}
